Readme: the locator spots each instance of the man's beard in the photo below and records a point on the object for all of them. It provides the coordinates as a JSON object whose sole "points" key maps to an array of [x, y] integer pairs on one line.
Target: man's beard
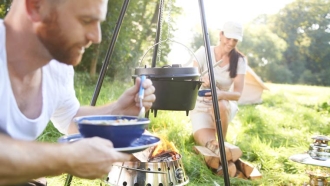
{"points": [[54, 40]]}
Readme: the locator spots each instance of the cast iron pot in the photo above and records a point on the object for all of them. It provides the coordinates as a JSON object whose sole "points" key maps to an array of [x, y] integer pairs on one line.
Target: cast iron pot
{"points": [[176, 87]]}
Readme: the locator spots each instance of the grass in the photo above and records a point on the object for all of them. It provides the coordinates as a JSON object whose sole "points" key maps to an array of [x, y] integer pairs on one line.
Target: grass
{"points": [[267, 133]]}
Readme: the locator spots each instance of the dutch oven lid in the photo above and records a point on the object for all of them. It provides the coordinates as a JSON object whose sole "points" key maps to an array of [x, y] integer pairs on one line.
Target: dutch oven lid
{"points": [[168, 71]]}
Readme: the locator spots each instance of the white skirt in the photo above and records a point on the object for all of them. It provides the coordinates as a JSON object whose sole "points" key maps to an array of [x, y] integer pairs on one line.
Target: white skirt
{"points": [[203, 114]]}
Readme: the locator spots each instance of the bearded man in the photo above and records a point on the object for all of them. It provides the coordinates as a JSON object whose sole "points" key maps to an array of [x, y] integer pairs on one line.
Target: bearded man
{"points": [[40, 42]]}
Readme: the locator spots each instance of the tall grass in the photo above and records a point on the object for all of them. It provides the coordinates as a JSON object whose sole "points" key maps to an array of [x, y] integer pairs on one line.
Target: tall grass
{"points": [[267, 133]]}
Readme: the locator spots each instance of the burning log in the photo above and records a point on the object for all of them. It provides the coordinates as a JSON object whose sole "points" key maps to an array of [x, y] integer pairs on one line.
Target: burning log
{"points": [[165, 156], [163, 152]]}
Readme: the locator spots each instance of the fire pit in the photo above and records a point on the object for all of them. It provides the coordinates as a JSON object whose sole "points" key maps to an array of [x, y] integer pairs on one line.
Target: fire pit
{"points": [[155, 166]]}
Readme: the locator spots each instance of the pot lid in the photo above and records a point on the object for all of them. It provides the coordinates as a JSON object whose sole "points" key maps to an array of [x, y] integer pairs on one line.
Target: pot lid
{"points": [[168, 71]]}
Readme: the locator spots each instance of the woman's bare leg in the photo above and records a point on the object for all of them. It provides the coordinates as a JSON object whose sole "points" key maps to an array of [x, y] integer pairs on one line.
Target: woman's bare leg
{"points": [[202, 136], [224, 116]]}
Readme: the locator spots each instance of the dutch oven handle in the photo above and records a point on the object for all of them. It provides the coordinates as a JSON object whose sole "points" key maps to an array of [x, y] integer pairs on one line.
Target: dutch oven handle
{"points": [[141, 170], [191, 52]]}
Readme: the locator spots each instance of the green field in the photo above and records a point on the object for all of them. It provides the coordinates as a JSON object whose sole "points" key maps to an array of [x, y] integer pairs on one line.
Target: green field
{"points": [[267, 133]]}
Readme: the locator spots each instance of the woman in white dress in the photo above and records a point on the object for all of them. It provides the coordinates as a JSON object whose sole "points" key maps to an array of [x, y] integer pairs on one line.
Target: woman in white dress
{"points": [[229, 76]]}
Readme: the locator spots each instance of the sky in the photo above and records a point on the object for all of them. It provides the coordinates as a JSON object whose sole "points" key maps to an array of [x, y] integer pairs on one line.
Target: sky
{"points": [[216, 13]]}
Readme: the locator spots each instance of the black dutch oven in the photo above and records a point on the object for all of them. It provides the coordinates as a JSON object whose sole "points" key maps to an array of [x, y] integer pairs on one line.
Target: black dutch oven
{"points": [[176, 87]]}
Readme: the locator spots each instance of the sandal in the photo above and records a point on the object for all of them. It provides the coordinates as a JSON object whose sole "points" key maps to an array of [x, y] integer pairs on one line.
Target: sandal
{"points": [[213, 146]]}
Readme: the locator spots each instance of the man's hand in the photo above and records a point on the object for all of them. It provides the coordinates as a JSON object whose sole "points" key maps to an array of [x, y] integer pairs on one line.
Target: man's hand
{"points": [[22, 161], [128, 103], [92, 158]]}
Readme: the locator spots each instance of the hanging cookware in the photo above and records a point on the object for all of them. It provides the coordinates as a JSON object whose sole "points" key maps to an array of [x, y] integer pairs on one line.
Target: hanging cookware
{"points": [[176, 87]]}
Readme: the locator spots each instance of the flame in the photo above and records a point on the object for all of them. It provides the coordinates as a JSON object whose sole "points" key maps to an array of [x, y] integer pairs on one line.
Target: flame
{"points": [[164, 146]]}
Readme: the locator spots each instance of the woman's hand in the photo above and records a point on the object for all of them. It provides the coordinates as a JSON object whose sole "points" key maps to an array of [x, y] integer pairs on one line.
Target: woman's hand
{"points": [[206, 81], [208, 95]]}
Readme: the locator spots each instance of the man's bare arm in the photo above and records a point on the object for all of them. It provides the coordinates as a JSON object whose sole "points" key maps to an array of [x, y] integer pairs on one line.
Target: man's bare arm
{"points": [[22, 161]]}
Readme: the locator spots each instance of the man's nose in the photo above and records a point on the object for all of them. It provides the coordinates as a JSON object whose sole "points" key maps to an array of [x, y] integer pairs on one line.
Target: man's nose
{"points": [[94, 34]]}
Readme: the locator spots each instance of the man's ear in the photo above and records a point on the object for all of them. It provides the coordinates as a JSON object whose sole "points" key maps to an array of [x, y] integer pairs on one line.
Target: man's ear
{"points": [[33, 9]]}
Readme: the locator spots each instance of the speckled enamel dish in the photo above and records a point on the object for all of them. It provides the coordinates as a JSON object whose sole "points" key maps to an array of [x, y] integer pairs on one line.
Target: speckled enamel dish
{"points": [[140, 144], [120, 130]]}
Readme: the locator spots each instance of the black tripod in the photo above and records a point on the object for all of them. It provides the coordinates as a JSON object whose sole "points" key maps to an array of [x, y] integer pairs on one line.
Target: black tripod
{"points": [[210, 71]]}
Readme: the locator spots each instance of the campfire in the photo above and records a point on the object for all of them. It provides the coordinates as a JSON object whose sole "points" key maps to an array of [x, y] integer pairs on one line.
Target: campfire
{"points": [[163, 152], [158, 165]]}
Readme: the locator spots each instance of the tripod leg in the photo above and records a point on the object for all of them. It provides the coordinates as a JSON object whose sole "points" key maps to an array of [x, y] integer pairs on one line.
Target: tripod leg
{"points": [[68, 180]]}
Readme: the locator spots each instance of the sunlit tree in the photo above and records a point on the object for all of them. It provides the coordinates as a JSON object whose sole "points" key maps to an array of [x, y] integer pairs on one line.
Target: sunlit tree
{"points": [[137, 34], [305, 26], [4, 7]]}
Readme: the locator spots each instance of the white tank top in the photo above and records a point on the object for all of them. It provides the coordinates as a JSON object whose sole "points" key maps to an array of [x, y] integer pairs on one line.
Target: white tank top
{"points": [[59, 102]]}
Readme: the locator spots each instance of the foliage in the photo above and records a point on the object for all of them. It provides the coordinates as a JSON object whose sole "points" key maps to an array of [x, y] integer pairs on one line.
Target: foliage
{"points": [[304, 25], [137, 33], [198, 39], [291, 46], [4, 7], [267, 133], [264, 51], [2, 11]]}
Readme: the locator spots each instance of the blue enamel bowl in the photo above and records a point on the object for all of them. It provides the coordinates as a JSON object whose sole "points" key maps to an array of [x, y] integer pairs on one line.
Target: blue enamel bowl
{"points": [[120, 130]]}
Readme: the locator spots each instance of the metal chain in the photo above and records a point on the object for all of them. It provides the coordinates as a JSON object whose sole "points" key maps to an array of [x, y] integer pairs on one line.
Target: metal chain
{"points": [[168, 36], [190, 51], [168, 10], [170, 4], [159, 52]]}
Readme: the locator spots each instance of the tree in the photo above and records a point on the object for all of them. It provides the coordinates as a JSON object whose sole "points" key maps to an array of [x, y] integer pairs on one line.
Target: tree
{"points": [[4, 7], [264, 51], [262, 47], [137, 32], [305, 26]]}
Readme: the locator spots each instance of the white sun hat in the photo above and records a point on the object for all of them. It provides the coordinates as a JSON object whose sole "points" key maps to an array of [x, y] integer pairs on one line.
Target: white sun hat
{"points": [[234, 30]]}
